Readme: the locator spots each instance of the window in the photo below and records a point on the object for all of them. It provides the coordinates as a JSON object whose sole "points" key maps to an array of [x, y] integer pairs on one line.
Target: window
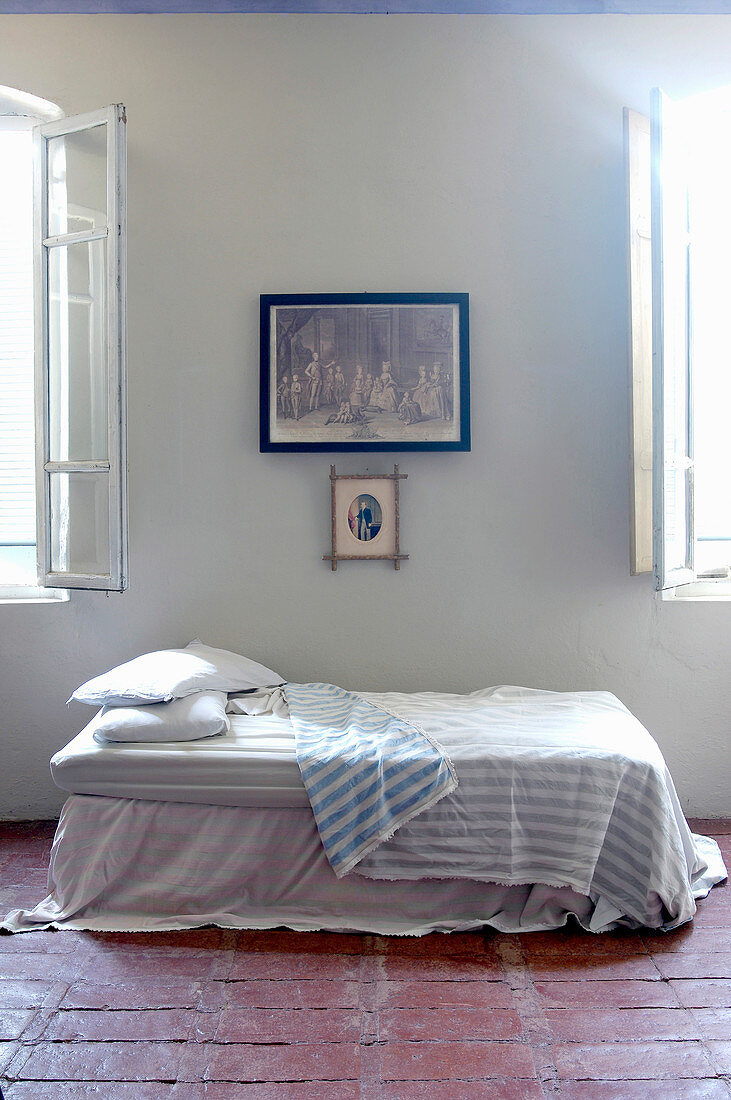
{"points": [[682, 174], [17, 463], [62, 290]]}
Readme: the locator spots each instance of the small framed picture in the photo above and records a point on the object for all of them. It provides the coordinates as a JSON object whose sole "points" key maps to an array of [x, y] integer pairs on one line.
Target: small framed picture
{"points": [[365, 518], [365, 372]]}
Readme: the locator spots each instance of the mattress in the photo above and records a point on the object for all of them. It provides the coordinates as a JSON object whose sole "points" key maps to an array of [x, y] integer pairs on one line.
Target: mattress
{"points": [[254, 764]]}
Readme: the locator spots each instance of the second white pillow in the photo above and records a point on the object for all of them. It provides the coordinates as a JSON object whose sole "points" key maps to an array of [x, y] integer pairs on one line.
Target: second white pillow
{"points": [[188, 719]]}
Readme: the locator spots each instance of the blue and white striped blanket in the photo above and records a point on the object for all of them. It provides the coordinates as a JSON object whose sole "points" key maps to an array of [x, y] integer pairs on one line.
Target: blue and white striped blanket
{"points": [[366, 772]]}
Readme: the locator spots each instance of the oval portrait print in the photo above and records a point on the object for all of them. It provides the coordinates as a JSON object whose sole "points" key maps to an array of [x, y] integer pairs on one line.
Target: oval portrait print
{"points": [[365, 517]]}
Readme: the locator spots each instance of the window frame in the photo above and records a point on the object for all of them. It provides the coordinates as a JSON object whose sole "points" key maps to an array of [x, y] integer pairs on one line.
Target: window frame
{"points": [[115, 466], [673, 381], [20, 110], [639, 277]]}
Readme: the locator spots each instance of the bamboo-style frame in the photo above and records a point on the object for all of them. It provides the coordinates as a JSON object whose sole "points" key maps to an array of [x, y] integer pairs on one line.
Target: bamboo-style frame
{"points": [[336, 519]]}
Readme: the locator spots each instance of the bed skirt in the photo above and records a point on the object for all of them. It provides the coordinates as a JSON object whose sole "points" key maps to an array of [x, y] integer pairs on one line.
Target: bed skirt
{"points": [[133, 865]]}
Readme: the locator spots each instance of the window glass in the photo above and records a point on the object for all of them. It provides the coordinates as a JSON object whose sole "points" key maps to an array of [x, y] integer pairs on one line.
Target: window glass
{"points": [[77, 352], [17, 469], [80, 523], [709, 186], [77, 177]]}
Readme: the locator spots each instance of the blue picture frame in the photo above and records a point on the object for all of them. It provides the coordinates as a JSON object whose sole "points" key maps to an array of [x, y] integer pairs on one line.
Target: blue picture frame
{"points": [[364, 372]]}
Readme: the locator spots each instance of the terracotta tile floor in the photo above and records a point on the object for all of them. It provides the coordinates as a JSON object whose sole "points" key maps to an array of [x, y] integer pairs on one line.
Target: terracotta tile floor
{"points": [[278, 1015]]}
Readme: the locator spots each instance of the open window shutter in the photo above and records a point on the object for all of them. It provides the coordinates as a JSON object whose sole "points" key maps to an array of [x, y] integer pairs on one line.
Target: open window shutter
{"points": [[80, 342], [639, 255], [673, 535]]}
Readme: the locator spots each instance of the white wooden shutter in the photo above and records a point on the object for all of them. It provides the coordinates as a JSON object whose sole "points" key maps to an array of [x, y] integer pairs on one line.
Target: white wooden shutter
{"points": [[80, 351], [639, 255], [673, 534]]}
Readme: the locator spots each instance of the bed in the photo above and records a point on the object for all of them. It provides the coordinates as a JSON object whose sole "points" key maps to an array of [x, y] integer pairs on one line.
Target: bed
{"points": [[537, 807]]}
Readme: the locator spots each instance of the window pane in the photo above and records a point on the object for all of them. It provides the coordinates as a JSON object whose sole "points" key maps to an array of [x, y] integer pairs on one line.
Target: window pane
{"points": [[710, 221], [77, 181], [17, 427], [77, 354], [18, 565], [80, 523]]}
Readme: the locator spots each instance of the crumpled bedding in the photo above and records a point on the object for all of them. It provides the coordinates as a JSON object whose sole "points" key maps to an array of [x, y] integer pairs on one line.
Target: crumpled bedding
{"points": [[270, 700], [123, 864], [563, 789], [564, 806]]}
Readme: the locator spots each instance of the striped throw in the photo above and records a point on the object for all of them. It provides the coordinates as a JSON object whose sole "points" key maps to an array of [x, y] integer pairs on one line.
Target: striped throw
{"points": [[366, 772]]}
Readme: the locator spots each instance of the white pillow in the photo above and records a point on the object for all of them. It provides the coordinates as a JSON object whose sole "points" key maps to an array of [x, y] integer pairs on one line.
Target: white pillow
{"points": [[196, 716], [170, 674]]}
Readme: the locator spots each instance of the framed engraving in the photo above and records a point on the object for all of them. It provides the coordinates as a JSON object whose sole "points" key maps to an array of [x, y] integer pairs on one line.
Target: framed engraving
{"points": [[364, 372]]}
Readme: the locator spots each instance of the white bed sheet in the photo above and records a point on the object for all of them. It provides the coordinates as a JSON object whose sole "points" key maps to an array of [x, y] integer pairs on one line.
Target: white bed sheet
{"points": [[254, 764]]}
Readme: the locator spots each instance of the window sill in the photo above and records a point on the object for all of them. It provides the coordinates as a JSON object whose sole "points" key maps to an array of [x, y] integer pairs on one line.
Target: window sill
{"points": [[16, 594], [700, 590]]}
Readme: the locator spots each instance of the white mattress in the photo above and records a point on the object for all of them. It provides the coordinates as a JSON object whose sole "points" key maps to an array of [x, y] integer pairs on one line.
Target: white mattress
{"points": [[252, 765]]}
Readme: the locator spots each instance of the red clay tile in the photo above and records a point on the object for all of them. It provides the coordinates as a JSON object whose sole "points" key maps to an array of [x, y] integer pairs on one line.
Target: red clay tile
{"points": [[621, 1024], [592, 968], [632, 1061], [331, 943], [435, 945], [108, 1026], [290, 1062], [19, 897], [102, 1090], [102, 1062], [11, 846], [36, 964], [712, 917], [703, 993], [279, 1090], [287, 966], [28, 858], [462, 1090], [710, 826], [411, 994], [190, 940], [674, 965], [95, 953], [455, 1061], [617, 994], [13, 1021], [312, 993], [19, 993], [438, 1024], [23, 829], [576, 942], [282, 1025], [169, 969], [705, 1089], [720, 1051], [7, 1053], [690, 938], [439, 969], [131, 994], [714, 1023], [31, 878], [50, 943]]}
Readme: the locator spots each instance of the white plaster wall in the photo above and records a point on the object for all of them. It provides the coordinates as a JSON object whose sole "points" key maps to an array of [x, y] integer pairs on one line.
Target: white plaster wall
{"points": [[323, 153]]}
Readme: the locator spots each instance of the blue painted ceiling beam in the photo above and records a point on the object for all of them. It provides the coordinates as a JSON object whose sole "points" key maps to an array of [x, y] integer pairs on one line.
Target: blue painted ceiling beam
{"points": [[369, 7]]}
